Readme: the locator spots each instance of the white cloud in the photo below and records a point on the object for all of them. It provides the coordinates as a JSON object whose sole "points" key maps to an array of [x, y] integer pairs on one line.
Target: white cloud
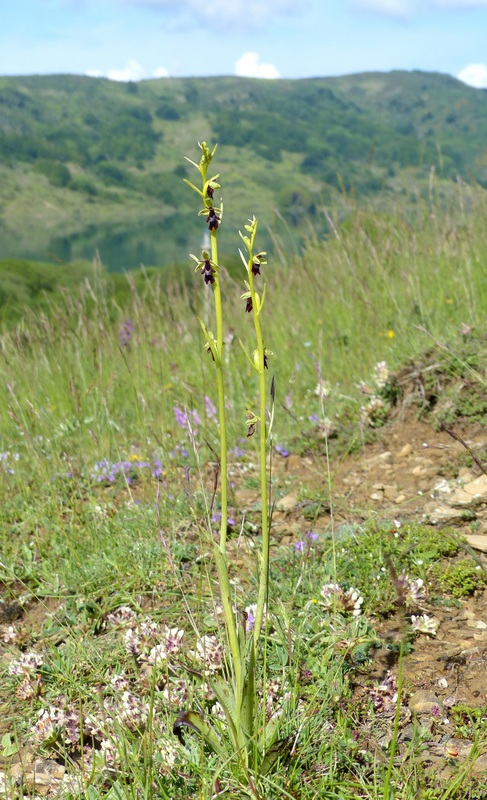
{"points": [[405, 9], [461, 3], [474, 75], [160, 72], [249, 66], [390, 8], [133, 71], [226, 13]]}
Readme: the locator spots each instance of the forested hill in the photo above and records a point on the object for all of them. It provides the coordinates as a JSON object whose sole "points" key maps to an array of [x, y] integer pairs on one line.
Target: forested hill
{"points": [[82, 154]]}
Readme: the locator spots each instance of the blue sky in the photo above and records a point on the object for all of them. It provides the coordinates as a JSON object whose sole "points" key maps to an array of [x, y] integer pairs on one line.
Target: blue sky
{"points": [[134, 39]]}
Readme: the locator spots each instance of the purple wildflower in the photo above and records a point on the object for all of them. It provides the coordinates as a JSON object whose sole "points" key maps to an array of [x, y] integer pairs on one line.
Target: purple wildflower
{"points": [[299, 546], [126, 332], [312, 536], [210, 408], [279, 448]]}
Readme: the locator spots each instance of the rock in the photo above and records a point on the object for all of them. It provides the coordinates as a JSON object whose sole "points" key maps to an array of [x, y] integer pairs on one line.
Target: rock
{"points": [[287, 503], [400, 499], [382, 460], [424, 702], [390, 491], [465, 475], [478, 487], [476, 623], [477, 541], [479, 766], [405, 451], [444, 515], [377, 496]]}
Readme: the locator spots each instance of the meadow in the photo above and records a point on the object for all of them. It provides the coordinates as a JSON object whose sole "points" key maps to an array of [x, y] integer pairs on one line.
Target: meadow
{"points": [[112, 624]]}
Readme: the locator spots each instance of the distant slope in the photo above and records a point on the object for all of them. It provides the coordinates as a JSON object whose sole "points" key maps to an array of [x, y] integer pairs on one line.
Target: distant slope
{"points": [[88, 162]]}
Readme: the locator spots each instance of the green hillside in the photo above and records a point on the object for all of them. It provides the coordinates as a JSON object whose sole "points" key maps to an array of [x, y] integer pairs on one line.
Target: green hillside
{"points": [[87, 163]]}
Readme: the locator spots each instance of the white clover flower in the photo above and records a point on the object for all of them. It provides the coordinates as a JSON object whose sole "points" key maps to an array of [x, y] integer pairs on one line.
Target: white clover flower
{"points": [[176, 693], [9, 634], [381, 374], [349, 601], [119, 682], [132, 641], [122, 616], [424, 624], [47, 725], [411, 591], [171, 643], [26, 664], [210, 652]]}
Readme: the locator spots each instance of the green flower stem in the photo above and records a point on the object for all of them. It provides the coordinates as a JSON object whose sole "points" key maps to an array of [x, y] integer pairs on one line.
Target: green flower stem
{"points": [[221, 398], [221, 560], [264, 565]]}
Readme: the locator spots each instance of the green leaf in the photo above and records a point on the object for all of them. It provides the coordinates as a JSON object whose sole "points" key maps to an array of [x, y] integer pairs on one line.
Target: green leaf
{"points": [[9, 747], [280, 749], [195, 721]]}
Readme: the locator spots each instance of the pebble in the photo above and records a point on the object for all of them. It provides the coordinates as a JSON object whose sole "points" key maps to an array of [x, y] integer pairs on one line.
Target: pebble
{"points": [[381, 460], [287, 503], [477, 541], [400, 499], [423, 701], [405, 451]]}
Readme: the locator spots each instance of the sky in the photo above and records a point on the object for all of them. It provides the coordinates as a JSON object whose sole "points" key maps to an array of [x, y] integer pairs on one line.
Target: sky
{"points": [[268, 39]]}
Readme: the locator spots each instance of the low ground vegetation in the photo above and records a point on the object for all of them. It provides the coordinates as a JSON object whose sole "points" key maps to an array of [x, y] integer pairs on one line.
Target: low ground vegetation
{"points": [[109, 612]]}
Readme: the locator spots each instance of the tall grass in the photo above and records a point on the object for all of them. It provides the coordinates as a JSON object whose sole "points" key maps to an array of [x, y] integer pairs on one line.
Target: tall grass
{"points": [[89, 381]]}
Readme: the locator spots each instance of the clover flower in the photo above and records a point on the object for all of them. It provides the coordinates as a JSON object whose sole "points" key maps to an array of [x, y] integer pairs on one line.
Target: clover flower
{"points": [[381, 374], [122, 616], [345, 601], [26, 664], [46, 728], [410, 591], [171, 643], [176, 693], [374, 409], [9, 634], [424, 624], [210, 652], [384, 696]]}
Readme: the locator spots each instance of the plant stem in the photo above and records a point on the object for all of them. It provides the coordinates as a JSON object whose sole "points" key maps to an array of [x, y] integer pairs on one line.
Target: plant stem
{"points": [[220, 552]]}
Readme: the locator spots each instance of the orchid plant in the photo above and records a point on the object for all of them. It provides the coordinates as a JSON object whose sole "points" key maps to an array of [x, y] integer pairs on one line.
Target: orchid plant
{"points": [[253, 739]]}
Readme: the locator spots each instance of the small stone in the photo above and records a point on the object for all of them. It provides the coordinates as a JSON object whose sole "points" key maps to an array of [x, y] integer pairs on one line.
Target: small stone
{"points": [[478, 487], [466, 475], [479, 766], [442, 683], [476, 623], [287, 503], [381, 460], [405, 451], [377, 496], [390, 491], [477, 541], [424, 702], [400, 499]]}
